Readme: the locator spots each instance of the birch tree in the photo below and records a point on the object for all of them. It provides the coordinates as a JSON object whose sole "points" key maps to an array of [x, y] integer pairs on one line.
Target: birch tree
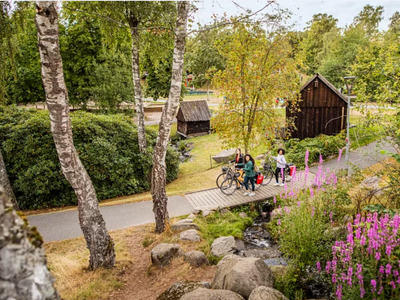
{"points": [[158, 175], [5, 182], [23, 267], [98, 240]]}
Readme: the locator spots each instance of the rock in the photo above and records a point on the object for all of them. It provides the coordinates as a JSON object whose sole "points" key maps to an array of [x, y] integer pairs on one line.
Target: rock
{"points": [[242, 275], [259, 157], [347, 219], [190, 235], [371, 182], [195, 211], [192, 216], [178, 289], [240, 245], [206, 294], [207, 212], [184, 224], [224, 156], [266, 293], [243, 215], [196, 258], [275, 262], [277, 212], [224, 211], [223, 246], [162, 254], [262, 253], [207, 285]]}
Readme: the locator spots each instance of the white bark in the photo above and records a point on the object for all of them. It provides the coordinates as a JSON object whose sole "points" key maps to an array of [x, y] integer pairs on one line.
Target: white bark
{"points": [[5, 182], [98, 240], [23, 267], [158, 177], [133, 24]]}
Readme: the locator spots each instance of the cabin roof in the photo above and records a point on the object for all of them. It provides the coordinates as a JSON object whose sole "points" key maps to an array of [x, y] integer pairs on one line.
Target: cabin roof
{"points": [[330, 85], [193, 111]]}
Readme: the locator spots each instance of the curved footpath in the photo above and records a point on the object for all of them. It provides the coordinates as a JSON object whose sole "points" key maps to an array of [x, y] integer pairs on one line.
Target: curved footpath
{"points": [[65, 225]]}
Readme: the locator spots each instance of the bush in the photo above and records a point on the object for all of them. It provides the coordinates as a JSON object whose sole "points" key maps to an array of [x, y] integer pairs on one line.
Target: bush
{"points": [[107, 147], [323, 144]]}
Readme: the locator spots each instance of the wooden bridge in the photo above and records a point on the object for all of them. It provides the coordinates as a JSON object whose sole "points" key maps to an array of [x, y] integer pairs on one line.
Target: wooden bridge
{"points": [[214, 198]]}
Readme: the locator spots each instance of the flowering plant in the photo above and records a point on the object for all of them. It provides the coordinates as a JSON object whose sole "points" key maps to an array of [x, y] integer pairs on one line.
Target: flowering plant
{"points": [[367, 265]]}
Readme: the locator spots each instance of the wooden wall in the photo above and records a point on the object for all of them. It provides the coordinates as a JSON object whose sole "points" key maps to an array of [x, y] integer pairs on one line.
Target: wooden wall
{"points": [[322, 112]]}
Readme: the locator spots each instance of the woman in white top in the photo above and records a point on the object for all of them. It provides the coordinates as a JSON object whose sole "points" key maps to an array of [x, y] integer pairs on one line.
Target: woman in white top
{"points": [[280, 166]]}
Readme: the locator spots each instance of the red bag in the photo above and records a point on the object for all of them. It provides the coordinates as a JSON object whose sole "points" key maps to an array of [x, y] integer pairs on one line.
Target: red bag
{"points": [[260, 178]]}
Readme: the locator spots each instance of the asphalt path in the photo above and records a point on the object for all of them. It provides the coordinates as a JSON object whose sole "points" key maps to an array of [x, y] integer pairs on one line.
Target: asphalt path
{"points": [[65, 225]]}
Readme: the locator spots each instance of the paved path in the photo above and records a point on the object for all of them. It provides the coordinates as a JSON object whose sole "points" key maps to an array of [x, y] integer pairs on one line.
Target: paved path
{"points": [[65, 225]]}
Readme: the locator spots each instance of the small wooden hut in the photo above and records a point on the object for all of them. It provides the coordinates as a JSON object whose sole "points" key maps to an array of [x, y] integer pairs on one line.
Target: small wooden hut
{"points": [[193, 118], [323, 109]]}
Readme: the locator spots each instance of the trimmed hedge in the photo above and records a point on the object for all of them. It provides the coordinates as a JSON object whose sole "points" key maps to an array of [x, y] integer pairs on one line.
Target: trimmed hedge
{"points": [[107, 147]]}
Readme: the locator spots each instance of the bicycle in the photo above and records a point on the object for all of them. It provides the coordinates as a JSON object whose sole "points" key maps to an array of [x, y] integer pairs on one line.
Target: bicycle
{"points": [[227, 172], [269, 172], [232, 183]]}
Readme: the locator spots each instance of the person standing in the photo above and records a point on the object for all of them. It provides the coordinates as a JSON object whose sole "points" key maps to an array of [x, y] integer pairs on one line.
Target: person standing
{"points": [[238, 158], [250, 174], [280, 167]]}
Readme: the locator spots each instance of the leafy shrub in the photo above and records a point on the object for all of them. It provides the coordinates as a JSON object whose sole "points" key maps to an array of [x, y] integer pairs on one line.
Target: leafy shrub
{"points": [[107, 147], [324, 145], [366, 264]]}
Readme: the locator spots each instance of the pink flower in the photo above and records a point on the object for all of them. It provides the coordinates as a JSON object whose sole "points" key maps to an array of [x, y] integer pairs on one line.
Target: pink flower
{"points": [[274, 199], [313, 212], [319, 266], [279, 222], [373, 284], [311, 192], [340, 155], [306, 158]]}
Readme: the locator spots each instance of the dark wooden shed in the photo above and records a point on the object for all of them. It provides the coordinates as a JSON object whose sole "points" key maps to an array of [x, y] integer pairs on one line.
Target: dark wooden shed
{"points": [[323, 109], [193, 118]]}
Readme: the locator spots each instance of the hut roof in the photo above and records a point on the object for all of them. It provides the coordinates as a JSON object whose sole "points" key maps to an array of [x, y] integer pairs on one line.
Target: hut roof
{"points": [[330, 85], [193, 111]]}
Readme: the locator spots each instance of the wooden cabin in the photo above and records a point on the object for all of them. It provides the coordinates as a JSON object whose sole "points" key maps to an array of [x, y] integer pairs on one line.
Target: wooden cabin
{"points": [[322, 109], [193, 118]]}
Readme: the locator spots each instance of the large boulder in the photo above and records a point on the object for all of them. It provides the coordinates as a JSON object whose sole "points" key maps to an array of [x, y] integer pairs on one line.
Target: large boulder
{"points": [[162, 254], [196, 258], [226, 245], [242, 275], [190, 235], [266, 293], [206, 294], [178, 289]]}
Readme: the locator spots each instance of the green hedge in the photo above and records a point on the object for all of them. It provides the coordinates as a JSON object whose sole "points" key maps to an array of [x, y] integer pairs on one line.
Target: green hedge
{"points": [[107, 147], [322, 144]]}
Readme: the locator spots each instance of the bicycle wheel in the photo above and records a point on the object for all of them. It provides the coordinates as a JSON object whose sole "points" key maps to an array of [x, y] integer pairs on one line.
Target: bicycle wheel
{"points": [[229, 186], [221, 177], [268, 177]]}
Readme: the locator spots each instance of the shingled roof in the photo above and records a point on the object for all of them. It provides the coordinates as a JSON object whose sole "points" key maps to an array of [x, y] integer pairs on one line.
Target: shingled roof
{"points": [[330, 85], [193, 111]]}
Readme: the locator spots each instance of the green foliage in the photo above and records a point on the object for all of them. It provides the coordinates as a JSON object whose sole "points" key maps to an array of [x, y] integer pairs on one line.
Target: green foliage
{"points": [[107, 147], [325, 145]]}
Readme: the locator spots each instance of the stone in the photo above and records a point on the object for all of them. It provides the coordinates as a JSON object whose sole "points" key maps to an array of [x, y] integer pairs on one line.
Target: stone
{"points": [[178, 289], [206, 294], [260, 156], [223, 246], [279, 261], [276, 213], [184, 221], [207, 213], [242, 275], [262, 253], [243, 215], [371, 182], [266, 293], [189, 235], [240, 245], [195, 211], [163, 253], [225, 156], [184, 224], [347, 219], [192, 216], [196, 258], [224, 211]]}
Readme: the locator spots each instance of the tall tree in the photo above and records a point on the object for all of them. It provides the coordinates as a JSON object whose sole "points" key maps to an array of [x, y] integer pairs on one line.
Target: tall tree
{"points": [[24, 273], [5, 182], [158, 176], [369, 19], [259, 69], [98, 240]]}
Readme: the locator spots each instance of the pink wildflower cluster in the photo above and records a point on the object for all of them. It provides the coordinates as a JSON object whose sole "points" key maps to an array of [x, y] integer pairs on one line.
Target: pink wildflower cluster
{"points": [[365, 263]]}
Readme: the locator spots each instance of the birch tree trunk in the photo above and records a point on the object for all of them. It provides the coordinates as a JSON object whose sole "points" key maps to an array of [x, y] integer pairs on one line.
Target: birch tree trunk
{"points": [[158, 176], [23, 267], [6, 183], [98, 240], [133, 24]]}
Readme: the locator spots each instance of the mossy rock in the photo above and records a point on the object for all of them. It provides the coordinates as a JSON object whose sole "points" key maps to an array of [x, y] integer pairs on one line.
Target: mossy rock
{"points": [[178, 289]]}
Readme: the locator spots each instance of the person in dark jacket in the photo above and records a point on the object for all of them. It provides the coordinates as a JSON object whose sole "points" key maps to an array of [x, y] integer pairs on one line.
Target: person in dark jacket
{"points": [[250, 174], [238, 158]]}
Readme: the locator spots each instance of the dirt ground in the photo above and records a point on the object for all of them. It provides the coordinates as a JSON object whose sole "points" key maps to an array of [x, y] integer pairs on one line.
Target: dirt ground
{"points": [[142, 281]]}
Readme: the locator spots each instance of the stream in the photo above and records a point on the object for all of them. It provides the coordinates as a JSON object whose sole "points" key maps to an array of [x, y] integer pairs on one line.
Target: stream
{"points": [[259, 243]]}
